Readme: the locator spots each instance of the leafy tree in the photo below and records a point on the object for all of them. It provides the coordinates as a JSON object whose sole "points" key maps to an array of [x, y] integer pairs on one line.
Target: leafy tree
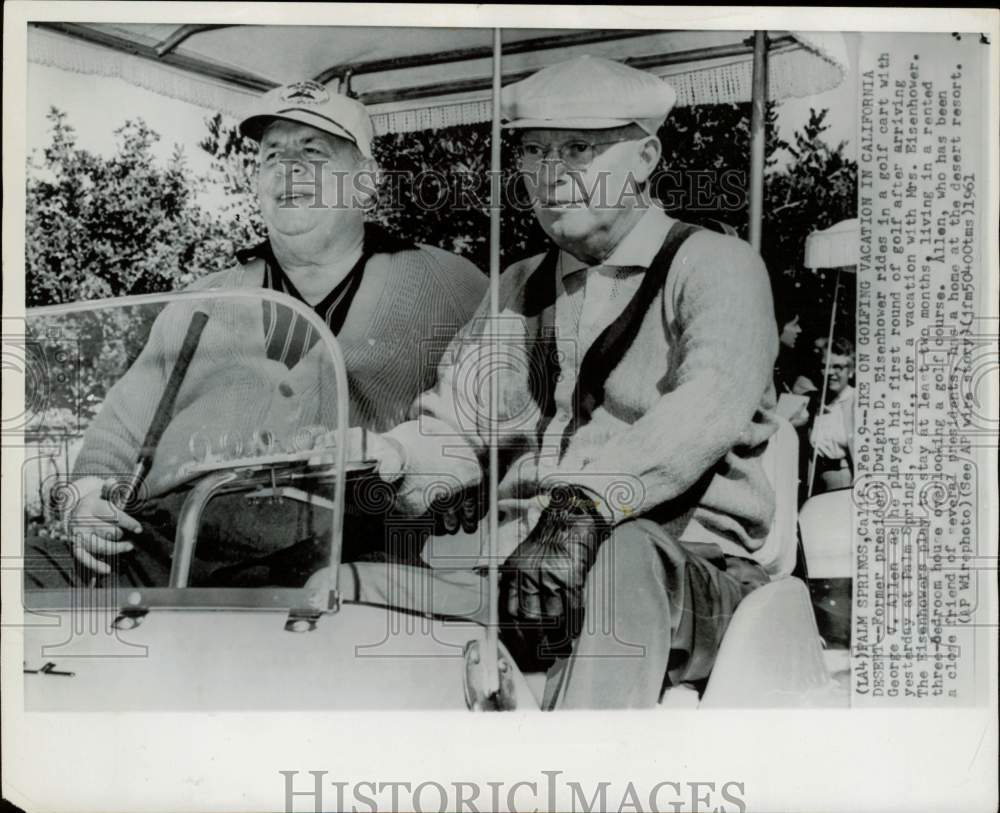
{"points": [[704, 175], [817, 189], [234, 170], [103, 227], [436, 190]]}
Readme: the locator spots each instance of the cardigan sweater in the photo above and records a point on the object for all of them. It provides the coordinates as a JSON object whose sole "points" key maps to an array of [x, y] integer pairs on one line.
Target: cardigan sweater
{"points": [[685, 414], [407, 307]]}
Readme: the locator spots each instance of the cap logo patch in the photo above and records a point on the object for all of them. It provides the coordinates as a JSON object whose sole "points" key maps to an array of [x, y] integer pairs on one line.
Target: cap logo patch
{"points": [[306, 93]]}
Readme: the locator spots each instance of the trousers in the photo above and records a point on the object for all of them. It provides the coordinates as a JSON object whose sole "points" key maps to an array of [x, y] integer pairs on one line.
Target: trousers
{"points": [[655, 614]]}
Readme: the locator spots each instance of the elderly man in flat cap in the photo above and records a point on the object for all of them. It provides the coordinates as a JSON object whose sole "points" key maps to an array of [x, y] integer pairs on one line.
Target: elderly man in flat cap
{"points": [[635, 400], [386, 301]]}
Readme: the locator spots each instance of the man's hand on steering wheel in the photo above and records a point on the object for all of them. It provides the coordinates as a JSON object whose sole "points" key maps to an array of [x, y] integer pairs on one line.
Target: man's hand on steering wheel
{"points": [[96, 525], [387, 453]]}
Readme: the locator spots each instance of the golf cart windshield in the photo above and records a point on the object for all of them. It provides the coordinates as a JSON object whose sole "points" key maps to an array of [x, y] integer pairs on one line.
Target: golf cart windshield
{"points": [[175, 401]]}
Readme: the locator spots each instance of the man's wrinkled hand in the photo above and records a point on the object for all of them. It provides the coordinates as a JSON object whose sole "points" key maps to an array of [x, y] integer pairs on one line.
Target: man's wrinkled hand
{"points": [[388, 454], [544, 578], [96, 526]]}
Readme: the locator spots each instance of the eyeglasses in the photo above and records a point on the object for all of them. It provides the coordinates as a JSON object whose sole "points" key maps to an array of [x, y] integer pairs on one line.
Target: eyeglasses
{"points": [[576, 154]]}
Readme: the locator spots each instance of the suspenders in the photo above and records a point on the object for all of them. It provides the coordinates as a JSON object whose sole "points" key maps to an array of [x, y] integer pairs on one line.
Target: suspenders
{"points": [[607, 350]]}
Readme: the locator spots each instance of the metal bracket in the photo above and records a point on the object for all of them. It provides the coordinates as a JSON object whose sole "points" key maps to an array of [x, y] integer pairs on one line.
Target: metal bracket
{"points": [[476, 698], [129, 618], [304, 619], [291, 493]]}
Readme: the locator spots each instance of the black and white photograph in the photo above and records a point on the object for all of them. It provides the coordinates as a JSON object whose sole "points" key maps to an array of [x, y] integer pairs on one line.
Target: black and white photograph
{"points": [[423, 372]]}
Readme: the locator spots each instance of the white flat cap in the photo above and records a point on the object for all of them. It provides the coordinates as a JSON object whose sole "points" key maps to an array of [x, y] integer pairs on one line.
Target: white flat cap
{"points": [[588, 93]]}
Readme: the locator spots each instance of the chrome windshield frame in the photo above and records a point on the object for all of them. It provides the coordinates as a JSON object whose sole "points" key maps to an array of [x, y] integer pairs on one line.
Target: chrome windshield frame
{"points": [[322, 597]]}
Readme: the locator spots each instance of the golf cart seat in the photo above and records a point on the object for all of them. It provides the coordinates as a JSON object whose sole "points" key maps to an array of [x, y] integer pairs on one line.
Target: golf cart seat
{"points": [[825, 529], [772, 654], [825, 523]]}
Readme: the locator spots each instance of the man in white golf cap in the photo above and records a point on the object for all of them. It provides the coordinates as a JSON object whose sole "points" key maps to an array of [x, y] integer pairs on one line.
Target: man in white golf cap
{"points": [[635, 401], [387, 302], [317, 179]]}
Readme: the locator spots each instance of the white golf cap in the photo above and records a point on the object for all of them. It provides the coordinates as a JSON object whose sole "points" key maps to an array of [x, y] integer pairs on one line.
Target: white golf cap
{"points": [[311, 103], [588, 93]]}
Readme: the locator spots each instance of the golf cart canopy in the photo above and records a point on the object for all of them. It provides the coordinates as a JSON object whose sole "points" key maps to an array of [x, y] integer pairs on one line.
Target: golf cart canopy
{"points": [[433, 77]]}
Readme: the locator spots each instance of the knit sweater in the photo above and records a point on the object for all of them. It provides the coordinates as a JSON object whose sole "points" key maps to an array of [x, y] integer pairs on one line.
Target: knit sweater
{"points": [[409, 304], [685, 416]]}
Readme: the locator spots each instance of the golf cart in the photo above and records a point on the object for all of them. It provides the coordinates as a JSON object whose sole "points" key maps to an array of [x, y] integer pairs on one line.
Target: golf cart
{"points": [[186, 646], [175, 647]]}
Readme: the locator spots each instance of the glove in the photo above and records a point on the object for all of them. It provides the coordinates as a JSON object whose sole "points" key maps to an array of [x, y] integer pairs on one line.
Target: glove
{"points": [[542, 582]]}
